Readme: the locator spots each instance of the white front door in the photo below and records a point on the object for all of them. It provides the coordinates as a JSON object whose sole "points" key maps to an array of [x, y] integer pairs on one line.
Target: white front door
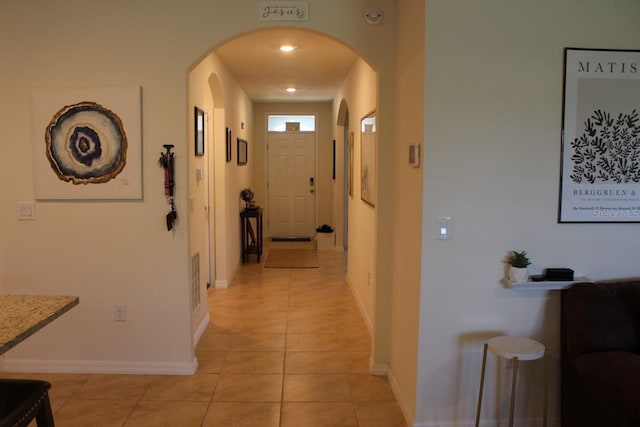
{"points": [[291, 184]]}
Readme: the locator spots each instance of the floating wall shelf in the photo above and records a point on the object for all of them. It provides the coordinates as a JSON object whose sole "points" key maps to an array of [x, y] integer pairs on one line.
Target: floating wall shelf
{"points": [[545, 285]]}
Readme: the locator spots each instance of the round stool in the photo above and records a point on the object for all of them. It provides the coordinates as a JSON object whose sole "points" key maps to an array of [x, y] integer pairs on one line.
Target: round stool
{"points": [[515, 349]]}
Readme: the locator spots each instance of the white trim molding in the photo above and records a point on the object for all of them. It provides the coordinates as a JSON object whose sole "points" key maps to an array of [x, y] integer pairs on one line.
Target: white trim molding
{"points": [[101, 367], [529, 422], [201, 328], [221, 284]]}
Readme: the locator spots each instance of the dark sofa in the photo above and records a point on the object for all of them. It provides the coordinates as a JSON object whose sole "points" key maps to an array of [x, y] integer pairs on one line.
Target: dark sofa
{"points": [[600, 366]]}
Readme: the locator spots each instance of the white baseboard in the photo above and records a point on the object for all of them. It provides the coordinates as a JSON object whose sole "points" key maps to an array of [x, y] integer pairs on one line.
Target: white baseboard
{"points": [[393, 382], [361, 308], [378, 369], [221, 284], [101, 367], [530, 422], [201, 328]]}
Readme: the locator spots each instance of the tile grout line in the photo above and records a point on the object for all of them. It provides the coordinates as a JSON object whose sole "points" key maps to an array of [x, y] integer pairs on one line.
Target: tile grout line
{"points": [[286, 339]]}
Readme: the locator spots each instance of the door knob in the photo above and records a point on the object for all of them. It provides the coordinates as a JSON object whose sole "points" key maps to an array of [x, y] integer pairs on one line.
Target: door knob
{"points": [[311, 191]]}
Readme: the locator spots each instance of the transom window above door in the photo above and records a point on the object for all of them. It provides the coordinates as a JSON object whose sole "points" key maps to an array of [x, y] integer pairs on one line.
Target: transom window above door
{"points": [[278, 122]]}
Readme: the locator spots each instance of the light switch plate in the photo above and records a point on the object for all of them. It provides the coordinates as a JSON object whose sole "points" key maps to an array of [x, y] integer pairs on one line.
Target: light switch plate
{"points": [[444, 227], [414, 155], [26, 211]]}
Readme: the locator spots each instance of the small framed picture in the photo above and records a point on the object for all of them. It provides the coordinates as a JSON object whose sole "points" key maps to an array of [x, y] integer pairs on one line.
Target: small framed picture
{"points": [[368, 174], [229, 149], [333, 175], [242, 151], [199, 131]]}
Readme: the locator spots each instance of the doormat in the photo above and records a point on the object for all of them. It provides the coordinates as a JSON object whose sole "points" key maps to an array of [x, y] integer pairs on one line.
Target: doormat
{"points": [[292, 258], [291, 239]]}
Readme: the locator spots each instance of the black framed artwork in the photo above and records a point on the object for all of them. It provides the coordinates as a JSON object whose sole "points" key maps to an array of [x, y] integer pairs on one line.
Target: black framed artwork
{"points": [[229, 151], [242, 151], [199, 131], [600, 167], [333, 175]]}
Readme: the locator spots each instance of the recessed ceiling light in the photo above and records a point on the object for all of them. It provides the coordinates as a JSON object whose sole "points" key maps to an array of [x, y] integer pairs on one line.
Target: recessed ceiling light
{"points": [[291, 89], [287, 48]]}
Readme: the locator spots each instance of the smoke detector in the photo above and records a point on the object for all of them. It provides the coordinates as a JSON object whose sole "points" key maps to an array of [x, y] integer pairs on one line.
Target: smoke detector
{"points": [[373, 16]]}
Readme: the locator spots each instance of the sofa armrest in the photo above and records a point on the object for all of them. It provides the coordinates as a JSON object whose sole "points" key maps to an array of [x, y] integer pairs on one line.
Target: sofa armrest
{"points": [[597, 320]]}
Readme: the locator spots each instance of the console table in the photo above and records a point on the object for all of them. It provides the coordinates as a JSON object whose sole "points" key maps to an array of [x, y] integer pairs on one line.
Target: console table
{"points": [[251, 234]]}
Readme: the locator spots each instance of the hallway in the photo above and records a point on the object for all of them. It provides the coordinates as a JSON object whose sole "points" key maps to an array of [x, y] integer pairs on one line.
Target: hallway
{"points": [[284, 348]]}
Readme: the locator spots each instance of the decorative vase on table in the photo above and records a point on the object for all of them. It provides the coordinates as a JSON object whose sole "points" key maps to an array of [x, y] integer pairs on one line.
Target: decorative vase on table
{"points": [[518, 274], [247, 196]]}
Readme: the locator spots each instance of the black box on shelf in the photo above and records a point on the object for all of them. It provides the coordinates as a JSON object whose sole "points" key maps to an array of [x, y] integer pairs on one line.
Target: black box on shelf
{"points": [[559, 274]]}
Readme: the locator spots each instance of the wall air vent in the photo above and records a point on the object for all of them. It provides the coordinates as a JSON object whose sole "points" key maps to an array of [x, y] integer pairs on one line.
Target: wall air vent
{"points": [[195, 281]]}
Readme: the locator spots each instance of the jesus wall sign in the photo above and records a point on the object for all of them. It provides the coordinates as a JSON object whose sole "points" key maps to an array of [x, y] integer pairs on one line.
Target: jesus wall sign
{"points": [[600, 179]]}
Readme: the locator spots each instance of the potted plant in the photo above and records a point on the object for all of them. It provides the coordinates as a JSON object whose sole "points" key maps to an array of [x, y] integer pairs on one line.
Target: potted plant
{"points": [[247, 195], [519, 261]]}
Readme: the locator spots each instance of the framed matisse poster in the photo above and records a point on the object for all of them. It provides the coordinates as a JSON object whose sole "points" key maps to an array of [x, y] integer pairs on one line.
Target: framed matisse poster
{"points": [[600, 168]]}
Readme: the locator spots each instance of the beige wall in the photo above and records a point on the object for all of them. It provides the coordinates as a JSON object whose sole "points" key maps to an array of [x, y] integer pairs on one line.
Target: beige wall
{"points": [[359, 92], [121, 252], [324, 152], [105, 252], [407, 191], [492, 154]]}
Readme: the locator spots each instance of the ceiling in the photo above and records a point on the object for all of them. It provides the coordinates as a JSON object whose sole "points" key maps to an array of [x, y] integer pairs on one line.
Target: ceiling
{"points": [[317, 67]]}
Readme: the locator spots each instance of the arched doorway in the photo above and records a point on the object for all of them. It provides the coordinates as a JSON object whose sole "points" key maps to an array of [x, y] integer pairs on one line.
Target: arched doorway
{"points": [[357, 88]]}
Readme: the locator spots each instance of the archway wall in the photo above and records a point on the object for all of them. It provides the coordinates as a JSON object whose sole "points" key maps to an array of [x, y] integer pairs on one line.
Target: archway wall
{"points": [[198, 201], [213, 203], [154, 48], [234, 110], [359, 92], [340, 184]]}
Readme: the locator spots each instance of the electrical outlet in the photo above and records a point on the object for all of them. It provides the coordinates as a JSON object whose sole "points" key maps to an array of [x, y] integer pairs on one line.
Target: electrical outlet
{"points": [[120, 313]]}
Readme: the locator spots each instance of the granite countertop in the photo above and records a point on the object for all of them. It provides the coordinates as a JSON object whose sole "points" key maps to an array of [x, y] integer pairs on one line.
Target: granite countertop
{"points": [[23, 315]]}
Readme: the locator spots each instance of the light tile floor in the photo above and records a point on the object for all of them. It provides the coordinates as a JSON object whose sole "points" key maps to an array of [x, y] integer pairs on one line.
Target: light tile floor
{"points": [[285, 348]]}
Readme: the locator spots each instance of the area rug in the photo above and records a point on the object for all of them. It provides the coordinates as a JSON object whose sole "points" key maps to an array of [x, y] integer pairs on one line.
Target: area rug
{"points": [[292, 258]]}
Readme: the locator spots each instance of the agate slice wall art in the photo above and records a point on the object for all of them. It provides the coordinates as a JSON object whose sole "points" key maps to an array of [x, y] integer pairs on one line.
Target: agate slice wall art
{"points": [[87, 143]]}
